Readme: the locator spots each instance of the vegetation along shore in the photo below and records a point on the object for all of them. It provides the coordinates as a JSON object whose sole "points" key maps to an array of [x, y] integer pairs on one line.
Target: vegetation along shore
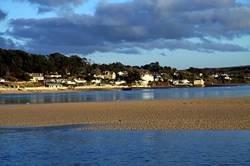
{"points": [[21, 72]]}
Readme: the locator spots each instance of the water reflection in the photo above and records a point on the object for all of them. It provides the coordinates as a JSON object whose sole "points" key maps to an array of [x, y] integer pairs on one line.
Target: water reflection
{"points": [[42, 128], [119, 95], [148, 94]]}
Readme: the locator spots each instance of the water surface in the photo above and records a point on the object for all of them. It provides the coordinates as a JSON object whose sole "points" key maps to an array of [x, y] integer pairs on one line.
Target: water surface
{"points": [[68, 146], [119, 95]]}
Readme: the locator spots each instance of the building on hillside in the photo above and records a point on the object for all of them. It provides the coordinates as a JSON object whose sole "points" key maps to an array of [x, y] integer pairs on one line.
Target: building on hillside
{"points": [[80, 81], [199, 82], [70, 83], [2, 80], [122, 73], [175, 82], [59, 80], [96, 81], [99, 76], [121, 82], [107, 75], [147, 78], [53, 76], [227, 77], [247, 77], [53, 85], [215, 76], [158, 78], [36, 77], [185, 82], [222, 77]]}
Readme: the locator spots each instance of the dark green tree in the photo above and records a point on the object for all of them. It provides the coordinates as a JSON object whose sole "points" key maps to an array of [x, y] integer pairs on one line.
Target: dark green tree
{"points": [[132, 76]]}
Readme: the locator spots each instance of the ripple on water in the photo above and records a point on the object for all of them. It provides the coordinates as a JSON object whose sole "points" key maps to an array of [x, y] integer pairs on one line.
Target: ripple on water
{"points": [[119, 95], [65, 146]]}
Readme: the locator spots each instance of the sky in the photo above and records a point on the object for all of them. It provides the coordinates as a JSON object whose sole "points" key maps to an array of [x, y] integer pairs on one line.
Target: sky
{"points": [[176, 33]]}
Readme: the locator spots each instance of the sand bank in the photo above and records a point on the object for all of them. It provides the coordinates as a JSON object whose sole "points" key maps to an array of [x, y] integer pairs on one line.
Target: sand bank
{"points": [[193, 114]]}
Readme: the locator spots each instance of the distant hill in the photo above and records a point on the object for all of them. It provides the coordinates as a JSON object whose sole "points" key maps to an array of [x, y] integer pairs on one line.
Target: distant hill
{"points": [[15, 64], [235, 70]]}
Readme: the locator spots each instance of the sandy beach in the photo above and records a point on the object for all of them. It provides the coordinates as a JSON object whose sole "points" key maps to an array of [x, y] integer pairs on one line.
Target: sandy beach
{"points": [[192, 114]]}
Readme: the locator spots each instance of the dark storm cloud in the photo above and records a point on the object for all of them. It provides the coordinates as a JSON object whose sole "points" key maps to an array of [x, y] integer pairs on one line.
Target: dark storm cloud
{"points": [[55, 3], [6, 43], [145, 24], [174, 44], [2, 15]]}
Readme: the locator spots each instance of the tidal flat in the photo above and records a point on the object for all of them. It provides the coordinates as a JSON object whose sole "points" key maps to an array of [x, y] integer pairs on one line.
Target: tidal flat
{"points": [[182, 114]]}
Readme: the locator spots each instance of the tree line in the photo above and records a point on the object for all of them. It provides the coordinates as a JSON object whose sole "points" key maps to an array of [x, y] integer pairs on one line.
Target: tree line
{"points": [[16, 64]]}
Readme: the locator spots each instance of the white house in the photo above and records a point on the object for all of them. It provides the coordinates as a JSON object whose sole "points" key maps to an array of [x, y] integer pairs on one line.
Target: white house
{"points": [[109, 75], [215, 76], [36, 77], [223, 76], [185, 82], [120, 73], [80, 81], [54, 85], [247, 77], [199, 82], [70, 83], [181, 82], [2, 80], [146, 78], [99, 76], [122, 82], [53, 76], [176, 82], [96, 81], [106, 75], [158, 78], [227, 78]]}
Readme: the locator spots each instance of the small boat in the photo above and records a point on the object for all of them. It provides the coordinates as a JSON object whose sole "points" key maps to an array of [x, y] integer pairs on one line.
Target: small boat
{"points": [[128, 88]]}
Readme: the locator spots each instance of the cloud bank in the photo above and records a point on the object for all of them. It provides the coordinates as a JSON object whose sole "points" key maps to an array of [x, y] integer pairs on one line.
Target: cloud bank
{"points": [[49, 5], [2, 15], [6, 43], [55, 2], [145, 24]]}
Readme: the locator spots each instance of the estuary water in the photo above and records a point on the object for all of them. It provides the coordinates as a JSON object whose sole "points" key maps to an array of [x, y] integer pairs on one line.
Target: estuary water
{"points": [[120, 95], [66, 145], [69, 146]]}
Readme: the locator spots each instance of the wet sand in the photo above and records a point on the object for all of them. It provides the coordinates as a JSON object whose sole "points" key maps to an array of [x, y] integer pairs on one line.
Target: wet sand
{"points": [[192, 114]]}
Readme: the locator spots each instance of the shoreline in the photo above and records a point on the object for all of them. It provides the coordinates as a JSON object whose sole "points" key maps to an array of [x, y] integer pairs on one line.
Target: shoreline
{"points": [[42, 90], [184, 114]]}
